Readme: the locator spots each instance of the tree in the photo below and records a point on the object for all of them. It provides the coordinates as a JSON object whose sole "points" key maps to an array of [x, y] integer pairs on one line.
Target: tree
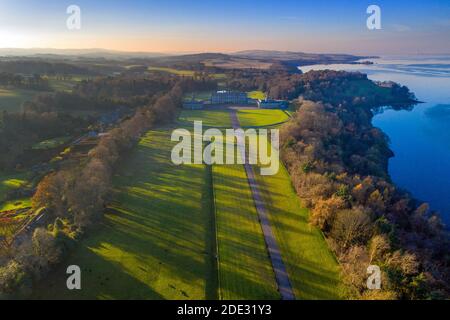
{"points": [[351, 227], [324, 212], [45, 247], [50, 193], [378, 248], [11, 277]]}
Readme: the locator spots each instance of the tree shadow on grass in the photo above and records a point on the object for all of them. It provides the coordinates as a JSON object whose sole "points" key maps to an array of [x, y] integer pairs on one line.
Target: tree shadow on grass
{"points": [[100, 279]]}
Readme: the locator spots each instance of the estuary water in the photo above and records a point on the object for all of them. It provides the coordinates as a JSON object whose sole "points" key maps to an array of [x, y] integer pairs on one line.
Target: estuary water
{"points": [[420, 138]]}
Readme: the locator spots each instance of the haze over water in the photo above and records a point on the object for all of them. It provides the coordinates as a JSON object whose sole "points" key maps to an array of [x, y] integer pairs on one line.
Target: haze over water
{"points": [[419, 138]]}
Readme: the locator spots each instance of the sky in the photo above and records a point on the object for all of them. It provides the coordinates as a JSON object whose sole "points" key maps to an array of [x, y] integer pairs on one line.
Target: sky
{"points": [[331, 26]]}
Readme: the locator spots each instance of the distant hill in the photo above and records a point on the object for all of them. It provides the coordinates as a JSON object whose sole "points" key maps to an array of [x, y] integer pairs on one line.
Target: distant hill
{"points": [[109, 61], [299, 58], [86, 53]]}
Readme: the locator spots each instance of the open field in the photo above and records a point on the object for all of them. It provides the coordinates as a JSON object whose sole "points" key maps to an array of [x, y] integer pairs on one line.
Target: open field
{"points": [[62, 85], [258, 95], [247, 117], [313, 270], [188, 73], [211, 118], [157, 237], [12, 181], [11, 99], [244, 266], [237, 63], [68, 84], [261, 117], [51, 143], [199, 96], [15, 204]]}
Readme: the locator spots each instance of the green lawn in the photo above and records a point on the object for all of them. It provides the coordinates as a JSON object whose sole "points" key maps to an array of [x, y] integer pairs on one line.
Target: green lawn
{"points": [[261, 117], [51, 143], [66, 85], [258, 95], [157, 240], [211, 118], [198, 96], [62, 85], [11, 181], [312, 268], [15, 204], [188, 73], [11, 99], [245, 270]]}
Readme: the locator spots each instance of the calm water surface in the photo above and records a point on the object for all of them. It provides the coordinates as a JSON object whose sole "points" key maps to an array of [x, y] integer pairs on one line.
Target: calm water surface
{"points": [[419, 138]]}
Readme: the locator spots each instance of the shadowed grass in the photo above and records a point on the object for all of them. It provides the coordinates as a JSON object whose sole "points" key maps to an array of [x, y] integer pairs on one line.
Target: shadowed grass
{"points": [[11, 181], [155, 241], [313, 271], [211, 118], [261, 117], [11, 99], [244, 266]]}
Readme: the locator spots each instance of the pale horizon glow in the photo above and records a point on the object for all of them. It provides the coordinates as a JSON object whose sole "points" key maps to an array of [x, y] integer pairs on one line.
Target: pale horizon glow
{"points": [[175, 26]]}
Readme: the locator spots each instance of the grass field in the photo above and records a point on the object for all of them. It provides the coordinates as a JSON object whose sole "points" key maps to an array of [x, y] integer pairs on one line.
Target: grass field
{"points": [[258, 95], [244, 266], [11, 99], [50, 143], [313, 271], [62, 85], [198, 96], [261, 117], [212, 118], [66, 85], [11, 181], [312, 268], [15, 204], [157, 239], [188, 73]]}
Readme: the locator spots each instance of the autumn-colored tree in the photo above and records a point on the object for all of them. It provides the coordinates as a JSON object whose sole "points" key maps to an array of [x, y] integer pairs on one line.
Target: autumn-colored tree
{"points": [[351, 227]]}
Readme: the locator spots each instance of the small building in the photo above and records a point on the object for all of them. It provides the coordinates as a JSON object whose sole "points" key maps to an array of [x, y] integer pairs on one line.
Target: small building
{"points": [[193, 105], [229, 97], [92, 134], [272, 104]]}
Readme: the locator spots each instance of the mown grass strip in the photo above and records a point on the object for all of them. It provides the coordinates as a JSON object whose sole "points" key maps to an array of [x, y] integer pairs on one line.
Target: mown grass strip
{"points": [[244, 267], [313, 271], [155, 242]]}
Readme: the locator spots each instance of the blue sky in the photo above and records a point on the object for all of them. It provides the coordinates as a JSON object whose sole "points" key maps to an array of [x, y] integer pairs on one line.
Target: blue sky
{"points": [[208, 25]]}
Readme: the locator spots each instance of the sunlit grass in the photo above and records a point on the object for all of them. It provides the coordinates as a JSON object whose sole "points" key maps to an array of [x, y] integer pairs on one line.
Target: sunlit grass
{"points": [[261, 117], [258, 95], [189, 73], [211, 118], [50, 143], [155, 241], [11, 99], [15, 204], [12, 181], [313, 271], [244, 265]]}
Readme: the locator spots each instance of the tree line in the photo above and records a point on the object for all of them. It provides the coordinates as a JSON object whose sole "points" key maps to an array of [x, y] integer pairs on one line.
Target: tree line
{"points": [[33, 82], [20, 131], [74, 198], [338, 165]]}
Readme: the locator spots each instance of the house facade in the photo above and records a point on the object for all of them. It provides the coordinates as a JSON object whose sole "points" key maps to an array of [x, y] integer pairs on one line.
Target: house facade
{"points": [[229, 97]]}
